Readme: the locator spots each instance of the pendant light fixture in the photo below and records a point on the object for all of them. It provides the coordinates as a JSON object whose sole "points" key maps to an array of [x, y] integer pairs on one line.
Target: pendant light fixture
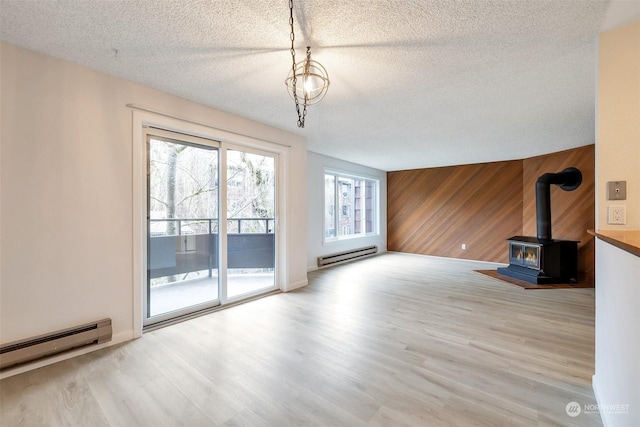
{"points": [[307, 81]]}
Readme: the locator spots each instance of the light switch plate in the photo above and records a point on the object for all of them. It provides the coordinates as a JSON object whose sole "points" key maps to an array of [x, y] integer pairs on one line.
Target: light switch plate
{"points": [[617, 190]]}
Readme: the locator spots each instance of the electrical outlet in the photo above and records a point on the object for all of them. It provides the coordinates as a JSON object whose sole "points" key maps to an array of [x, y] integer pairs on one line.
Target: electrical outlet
{"points": [[464, 246], [617, 215]]}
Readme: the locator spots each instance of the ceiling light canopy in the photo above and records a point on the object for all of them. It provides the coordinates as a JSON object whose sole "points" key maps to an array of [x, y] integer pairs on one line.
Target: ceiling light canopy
{"points": [[308, 80]]}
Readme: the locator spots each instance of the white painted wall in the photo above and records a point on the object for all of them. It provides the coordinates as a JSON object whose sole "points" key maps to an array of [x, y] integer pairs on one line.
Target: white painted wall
{"points": [[316, 164], [618, 121], [66, 214], [617, 377]]}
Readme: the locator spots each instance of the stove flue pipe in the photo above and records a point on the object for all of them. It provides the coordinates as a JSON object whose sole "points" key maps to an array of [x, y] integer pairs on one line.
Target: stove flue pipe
{"points": [[569, 179]]}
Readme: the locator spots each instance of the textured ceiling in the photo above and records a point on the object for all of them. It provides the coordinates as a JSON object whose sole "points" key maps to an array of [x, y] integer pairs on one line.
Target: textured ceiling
{"points": [[413, 83]]}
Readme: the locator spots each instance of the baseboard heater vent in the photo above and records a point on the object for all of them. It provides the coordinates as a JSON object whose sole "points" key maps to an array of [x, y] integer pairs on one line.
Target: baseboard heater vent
{"points": [[326, 260], [23, 351]]}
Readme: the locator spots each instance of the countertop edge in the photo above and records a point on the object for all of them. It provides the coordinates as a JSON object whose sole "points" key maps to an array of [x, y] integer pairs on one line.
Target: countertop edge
{"points": [[628, 241]]}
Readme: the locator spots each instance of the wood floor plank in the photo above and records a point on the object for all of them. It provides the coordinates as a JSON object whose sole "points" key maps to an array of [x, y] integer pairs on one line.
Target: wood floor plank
{"points": [[391, 340]]}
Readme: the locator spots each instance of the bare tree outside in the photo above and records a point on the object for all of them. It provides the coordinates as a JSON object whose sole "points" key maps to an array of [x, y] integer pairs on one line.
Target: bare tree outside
{"points": [[183, 185], [250, 190]]}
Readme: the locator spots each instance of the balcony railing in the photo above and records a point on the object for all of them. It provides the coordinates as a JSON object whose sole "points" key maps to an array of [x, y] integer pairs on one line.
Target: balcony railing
{"points": [[192, 245], [188, 226]]}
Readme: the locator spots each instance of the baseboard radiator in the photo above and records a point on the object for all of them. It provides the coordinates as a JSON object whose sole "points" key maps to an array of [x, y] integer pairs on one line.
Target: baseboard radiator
{"points": [[326, 260], [31, 349]]}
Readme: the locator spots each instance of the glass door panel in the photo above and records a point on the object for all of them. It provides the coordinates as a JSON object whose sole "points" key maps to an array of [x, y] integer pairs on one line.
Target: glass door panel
{"points": [[182, 233], [251, 209]]}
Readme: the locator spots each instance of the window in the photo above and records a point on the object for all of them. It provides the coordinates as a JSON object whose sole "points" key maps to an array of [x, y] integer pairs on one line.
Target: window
{"points": [[350, 206]]}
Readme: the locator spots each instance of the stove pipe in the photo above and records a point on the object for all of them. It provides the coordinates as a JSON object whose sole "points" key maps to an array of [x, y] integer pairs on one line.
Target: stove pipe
{"points": [[569, 179]]}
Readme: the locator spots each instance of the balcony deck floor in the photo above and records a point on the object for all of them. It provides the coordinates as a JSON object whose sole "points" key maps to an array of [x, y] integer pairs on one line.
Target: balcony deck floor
{"points": [[182, 294]]}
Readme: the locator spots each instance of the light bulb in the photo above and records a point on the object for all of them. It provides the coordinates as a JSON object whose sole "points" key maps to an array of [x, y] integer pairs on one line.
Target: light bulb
{"points": [[308, 84]]}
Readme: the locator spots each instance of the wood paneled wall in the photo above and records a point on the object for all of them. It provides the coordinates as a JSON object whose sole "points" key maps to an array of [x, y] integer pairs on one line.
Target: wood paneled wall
{"points": [[572, 212], [434, 211]]}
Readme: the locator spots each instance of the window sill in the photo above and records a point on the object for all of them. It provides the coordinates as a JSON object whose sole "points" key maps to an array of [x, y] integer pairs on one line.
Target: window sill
{"points": [[331, 240]]}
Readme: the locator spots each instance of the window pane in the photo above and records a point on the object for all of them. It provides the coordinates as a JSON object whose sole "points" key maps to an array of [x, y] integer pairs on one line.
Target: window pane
{"points": [[329, 206], [350, 206], [358, 206], [369, 204], [182, 226], [250, 222], [346, 201]]}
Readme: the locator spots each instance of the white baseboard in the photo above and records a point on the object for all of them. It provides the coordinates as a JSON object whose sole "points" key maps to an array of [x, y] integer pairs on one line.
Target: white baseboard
{"points": [[606, 422], [116, 339], [296, 285], [488, 263]]}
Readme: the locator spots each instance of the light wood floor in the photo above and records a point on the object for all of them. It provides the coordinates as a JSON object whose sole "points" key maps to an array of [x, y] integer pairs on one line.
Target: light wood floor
{"points": [[391, 340]]}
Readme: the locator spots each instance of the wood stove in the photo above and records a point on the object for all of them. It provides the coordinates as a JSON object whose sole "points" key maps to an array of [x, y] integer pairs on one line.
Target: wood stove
{"points": [[541, 259], [554, 261]]}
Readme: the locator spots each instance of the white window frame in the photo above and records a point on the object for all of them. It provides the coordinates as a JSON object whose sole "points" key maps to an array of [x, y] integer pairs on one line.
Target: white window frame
{"points": [[376, 208]]}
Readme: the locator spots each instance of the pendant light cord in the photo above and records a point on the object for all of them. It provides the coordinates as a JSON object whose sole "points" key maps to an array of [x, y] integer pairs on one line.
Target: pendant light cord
{"points": [[301, 116]]}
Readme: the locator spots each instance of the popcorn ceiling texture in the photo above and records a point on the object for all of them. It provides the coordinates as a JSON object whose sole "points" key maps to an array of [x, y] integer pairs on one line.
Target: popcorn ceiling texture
{"points": [[413, 83]]}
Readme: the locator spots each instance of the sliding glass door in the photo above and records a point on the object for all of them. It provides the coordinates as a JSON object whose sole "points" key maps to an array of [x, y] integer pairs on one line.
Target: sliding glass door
{"points": [[251, 224], [182, 226], [198, 228]]}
